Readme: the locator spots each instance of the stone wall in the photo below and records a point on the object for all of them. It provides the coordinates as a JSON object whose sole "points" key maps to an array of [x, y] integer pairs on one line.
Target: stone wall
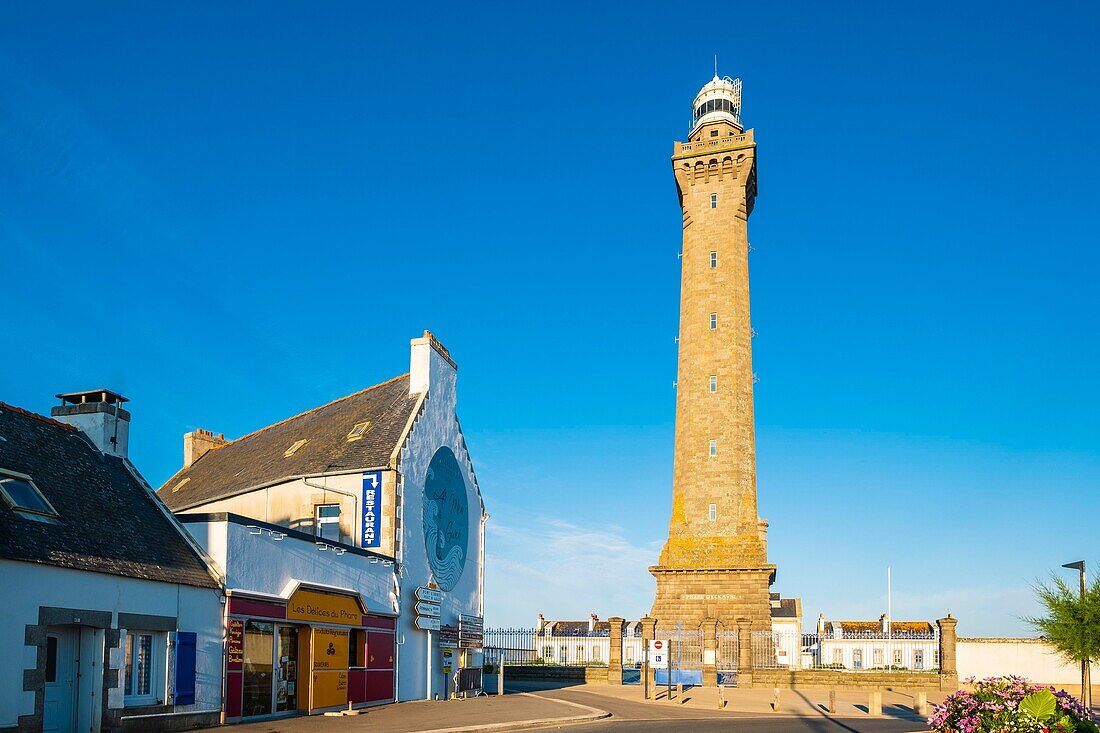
{"points": [[826, 679], [554, 673]]}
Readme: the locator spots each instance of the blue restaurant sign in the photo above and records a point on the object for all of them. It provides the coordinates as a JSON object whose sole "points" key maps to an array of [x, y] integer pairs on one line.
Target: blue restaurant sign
{"points": [[372, 506]]}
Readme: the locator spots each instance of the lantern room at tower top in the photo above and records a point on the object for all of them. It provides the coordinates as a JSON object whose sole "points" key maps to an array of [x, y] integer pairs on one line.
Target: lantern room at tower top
{"points": [[718, 101]]}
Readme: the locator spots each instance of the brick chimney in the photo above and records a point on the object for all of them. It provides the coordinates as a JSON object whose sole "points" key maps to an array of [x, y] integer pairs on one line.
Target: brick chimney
{"points": [[197, 443]]}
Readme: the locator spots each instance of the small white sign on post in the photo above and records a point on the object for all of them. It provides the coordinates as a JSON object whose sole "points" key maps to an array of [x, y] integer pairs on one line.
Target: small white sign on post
{"points": [[658, 653]]}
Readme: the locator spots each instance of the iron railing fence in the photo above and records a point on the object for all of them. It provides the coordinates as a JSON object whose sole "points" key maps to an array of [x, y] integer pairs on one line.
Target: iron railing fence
{"points": [[728, 651], [851, 652], [524, 646]]}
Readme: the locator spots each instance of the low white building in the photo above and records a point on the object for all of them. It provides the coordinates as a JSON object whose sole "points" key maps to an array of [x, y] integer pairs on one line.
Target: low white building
{"points": [[112, 617], [883, 644], [374, 495]]}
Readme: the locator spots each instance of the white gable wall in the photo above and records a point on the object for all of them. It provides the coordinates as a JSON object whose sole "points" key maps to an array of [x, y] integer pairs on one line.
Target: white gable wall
{"points": [[436, 427]]}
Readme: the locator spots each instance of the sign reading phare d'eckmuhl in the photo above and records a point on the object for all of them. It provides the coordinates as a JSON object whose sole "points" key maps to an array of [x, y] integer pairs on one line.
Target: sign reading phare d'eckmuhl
{"points": [[329, 608]]}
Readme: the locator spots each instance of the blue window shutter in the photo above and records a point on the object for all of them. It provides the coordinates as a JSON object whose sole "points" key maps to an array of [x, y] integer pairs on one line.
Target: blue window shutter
{"points": [[185, 668]]}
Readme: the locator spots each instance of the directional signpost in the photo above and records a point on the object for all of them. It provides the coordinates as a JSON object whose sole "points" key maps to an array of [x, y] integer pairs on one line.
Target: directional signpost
{"points": [[471, 632], [423, 608], [431, 595], [427, 619], [427, 624]]}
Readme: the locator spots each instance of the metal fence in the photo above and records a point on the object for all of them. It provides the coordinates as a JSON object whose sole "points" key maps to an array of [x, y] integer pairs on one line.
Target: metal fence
{"points": [[524, 646], [865, 652], [728, 651]]}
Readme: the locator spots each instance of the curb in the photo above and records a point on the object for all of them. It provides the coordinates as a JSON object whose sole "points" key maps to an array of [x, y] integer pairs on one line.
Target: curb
{"points": [[592, 715]]}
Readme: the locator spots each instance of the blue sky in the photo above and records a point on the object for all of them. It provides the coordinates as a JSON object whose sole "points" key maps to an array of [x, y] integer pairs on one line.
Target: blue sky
{"points": [[234, 212]]}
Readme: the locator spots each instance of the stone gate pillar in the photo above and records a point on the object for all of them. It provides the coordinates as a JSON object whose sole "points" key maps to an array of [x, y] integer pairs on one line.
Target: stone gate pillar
{"points": [[744, 653], [709, 627], [615, 652], [949, 672]]}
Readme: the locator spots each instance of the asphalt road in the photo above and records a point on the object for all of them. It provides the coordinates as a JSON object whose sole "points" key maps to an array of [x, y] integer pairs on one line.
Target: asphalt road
{"points": [[753, 725], [629, 716]]}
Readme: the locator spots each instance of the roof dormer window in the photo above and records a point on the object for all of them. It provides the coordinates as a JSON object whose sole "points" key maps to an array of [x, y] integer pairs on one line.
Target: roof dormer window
{"points": [[24, 498], [294, 448]]}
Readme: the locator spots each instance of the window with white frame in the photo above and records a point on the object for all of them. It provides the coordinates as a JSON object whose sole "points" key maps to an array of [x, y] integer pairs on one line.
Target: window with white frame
{"points": [[327, 521], [713, 321], [876, 656], [713, 259], [548, 653], [713, 448], [596, 653], [935, 657], [838, 657], [143, 670], [712, 512], [897, 657], [918, 659], [713, 383], [857, 658], [714, 201]]}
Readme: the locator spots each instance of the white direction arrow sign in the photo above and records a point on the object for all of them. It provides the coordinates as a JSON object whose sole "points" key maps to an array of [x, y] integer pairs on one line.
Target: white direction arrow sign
{"points": [[431, 595], [427, 624], [427, 609]]}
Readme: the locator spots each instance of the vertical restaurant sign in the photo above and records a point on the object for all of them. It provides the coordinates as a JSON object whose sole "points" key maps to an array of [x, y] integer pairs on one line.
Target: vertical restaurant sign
{"points": [[372, 510]]}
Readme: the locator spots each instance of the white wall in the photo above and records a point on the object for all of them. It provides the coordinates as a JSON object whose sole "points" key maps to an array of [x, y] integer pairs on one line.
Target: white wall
{"points": [[256, 562], [436, 427], [1030, 658], [30, 585]]}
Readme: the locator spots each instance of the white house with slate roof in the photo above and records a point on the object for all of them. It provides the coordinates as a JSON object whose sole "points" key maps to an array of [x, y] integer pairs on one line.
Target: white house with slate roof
{"points": [[112, 617], [324, 525]]}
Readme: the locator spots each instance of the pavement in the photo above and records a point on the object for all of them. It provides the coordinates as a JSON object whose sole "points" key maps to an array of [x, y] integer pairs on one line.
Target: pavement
{"points": [[615, 709]]}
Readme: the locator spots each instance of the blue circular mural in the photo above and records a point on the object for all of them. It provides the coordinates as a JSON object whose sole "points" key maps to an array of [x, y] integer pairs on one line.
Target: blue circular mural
{"points": [[446, 518]]}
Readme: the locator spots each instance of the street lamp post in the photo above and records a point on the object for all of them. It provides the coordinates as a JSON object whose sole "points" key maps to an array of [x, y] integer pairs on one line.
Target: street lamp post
{"points": [[1086, 682]]}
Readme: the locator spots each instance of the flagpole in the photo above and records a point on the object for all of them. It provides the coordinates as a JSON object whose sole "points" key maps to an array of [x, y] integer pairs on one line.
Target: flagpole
{"points": [[889, 618]]}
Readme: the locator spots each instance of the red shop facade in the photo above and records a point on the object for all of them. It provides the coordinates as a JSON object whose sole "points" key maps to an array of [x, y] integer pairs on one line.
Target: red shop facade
{"points": [[312, 652]]}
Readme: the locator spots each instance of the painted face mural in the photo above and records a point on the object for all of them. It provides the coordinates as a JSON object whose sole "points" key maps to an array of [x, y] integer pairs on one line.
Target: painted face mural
{"points": [[446, 519]]}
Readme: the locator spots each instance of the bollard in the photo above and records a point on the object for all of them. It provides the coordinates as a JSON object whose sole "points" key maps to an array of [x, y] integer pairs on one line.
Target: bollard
{"points": [[775, 701], [920, 706], [874, 703], [500, 679], [721, 697], [832, 701], [680, 692]]}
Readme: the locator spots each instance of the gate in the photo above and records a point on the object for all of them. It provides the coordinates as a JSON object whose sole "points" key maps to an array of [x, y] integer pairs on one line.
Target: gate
{"points": [[728, 657], [685, 657], [633, 652]]}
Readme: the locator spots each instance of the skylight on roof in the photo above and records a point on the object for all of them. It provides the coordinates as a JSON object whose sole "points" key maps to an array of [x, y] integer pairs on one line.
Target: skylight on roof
{"points": [[24, 498], [359, 430], [179, 486], [294, 448]]}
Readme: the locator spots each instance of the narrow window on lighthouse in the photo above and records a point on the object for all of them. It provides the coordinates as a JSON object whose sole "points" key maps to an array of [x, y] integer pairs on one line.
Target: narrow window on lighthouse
{"points": [[713, 383], [713, 512], [714, 447], [713, 321], [714, 201], [713, 259]]}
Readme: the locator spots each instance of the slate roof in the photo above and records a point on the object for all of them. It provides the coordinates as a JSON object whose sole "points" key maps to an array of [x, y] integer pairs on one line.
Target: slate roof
{"points": [[787, 608], [875, 629], [259, 459], [109, 521]]}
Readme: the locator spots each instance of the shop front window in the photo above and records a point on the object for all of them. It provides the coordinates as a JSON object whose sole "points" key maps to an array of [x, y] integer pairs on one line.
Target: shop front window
{"points": [[259, 650]]}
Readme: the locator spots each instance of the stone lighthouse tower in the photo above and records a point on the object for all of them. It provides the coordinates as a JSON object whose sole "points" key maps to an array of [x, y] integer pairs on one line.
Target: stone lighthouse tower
{"points": [[715, 563]]}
